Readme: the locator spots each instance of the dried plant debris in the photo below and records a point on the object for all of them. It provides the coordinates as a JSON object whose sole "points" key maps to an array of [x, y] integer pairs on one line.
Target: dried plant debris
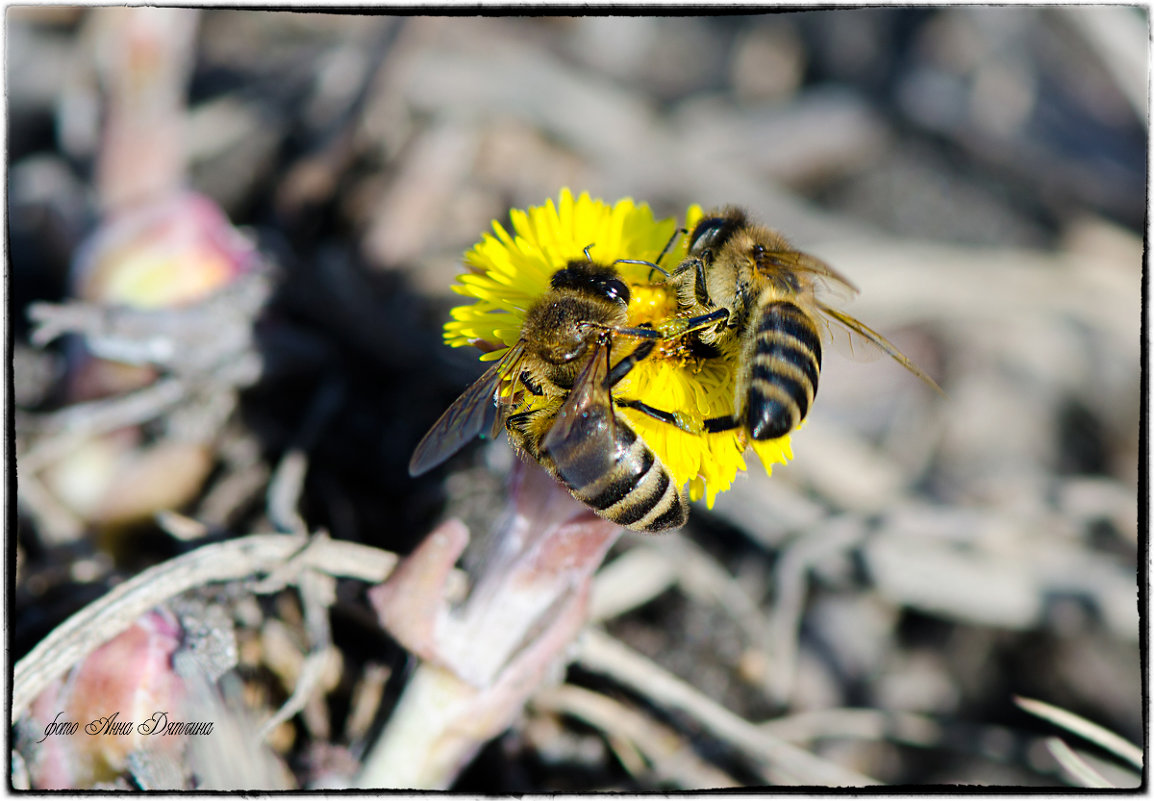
{"points": [[233, 241]]}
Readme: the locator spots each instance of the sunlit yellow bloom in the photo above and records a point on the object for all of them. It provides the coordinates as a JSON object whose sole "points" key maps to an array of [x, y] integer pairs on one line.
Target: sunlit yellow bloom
{"points": [[507, 273]]}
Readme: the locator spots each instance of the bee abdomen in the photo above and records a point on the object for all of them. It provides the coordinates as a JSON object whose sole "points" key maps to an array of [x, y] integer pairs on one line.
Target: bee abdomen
{"points": [[783, 371], [627, 484]]}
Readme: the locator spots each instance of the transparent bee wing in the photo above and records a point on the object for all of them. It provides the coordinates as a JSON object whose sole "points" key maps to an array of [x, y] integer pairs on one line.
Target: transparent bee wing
{"points": [[479, 411], [832, 282], [590, 393], [865, 343]]}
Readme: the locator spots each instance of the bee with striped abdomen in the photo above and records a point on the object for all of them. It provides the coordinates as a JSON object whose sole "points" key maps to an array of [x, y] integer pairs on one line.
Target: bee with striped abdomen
{"points": [[552, 393], [744, 291]]}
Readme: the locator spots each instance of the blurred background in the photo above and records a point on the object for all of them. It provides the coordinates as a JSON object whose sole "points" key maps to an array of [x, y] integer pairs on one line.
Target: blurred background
{"points": [[980, 173]]}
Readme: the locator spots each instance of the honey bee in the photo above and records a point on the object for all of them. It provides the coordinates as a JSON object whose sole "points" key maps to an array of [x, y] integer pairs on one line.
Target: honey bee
{"points": [[744, 290], [552, 393]]}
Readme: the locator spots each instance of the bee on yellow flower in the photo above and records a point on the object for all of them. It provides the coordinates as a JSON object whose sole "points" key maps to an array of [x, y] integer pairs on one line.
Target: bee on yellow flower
{"points": [[577, 278]]}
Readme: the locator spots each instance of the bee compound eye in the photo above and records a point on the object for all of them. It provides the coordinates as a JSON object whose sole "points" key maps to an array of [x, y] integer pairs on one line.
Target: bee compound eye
{"points": [[705, 234], [615, 289]]}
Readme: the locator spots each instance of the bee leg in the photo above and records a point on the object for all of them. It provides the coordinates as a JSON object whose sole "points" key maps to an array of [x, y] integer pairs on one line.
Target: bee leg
{"points": [[629, 362], [703, 320], [700, 288], [516, 422], [644, 331], [530, 385], [679, 326], [657, 414], [713, 425], [716, 424]]}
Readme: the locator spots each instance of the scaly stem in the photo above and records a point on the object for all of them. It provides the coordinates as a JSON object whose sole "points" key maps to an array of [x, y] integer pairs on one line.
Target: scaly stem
{"points": [[482, 660]]}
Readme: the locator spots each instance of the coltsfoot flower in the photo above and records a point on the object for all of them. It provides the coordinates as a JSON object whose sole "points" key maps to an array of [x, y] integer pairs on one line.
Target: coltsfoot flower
{"points": [[507, 273]]}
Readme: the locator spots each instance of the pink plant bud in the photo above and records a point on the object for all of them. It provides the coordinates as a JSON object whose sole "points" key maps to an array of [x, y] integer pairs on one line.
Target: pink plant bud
{"points": [[173, 253], [168, 253], [111, 697]]}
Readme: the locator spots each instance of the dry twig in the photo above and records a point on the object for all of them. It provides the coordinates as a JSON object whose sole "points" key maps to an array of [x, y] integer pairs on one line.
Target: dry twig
{"points": [[1085, 729], [102, 620], [671, 756], [1077, 767], [779, 760]]}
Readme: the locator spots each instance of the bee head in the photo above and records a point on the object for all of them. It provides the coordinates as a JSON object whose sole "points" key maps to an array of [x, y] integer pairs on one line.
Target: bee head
{"points": [[713, 231], [586, 298], [592, 278]]}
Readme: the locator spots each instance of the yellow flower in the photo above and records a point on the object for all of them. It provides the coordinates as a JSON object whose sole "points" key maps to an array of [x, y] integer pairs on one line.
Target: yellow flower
{"points": [[508, 273]]}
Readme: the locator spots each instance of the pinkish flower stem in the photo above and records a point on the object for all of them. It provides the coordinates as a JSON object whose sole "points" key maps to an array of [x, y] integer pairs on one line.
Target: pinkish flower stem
{"points": [[145, 57], [485, 658]]}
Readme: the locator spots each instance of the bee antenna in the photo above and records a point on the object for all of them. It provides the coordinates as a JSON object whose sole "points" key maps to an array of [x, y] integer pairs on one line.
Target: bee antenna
{"points": [[644, 263], [585, 250], [656, 264], [677, 232]]}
